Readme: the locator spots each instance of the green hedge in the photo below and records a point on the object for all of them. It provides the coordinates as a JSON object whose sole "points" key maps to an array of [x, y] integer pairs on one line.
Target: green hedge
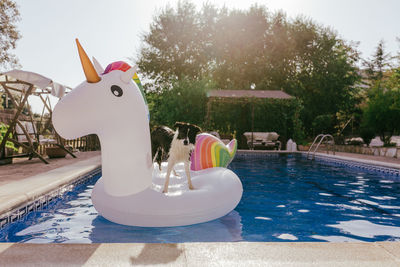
{"points": [[270, 115]]}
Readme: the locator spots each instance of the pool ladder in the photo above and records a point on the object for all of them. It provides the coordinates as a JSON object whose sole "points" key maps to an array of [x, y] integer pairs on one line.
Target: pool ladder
{"points": [[321, 137]]}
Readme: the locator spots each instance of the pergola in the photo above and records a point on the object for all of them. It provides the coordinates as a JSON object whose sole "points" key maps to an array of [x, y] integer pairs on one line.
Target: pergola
{"points": [[247, 96], [26, 84]]}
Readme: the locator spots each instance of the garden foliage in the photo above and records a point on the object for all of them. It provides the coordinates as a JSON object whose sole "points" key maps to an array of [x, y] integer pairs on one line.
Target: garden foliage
{"points": [[3, 130], [382, 112]]}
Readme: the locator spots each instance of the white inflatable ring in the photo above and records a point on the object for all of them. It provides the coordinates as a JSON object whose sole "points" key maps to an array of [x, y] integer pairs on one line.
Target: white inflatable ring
{"points": [[217, 192]]}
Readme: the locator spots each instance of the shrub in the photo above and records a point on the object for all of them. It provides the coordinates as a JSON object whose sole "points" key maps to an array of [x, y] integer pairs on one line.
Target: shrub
{"points": [[323, 124], [3, 130], [367, 134], [382, 114]]}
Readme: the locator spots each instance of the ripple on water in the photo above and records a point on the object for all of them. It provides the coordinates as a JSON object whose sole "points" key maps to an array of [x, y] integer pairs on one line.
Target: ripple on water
{"points": [[263, 218], [325, 194], [303, 211], [287, 237], [382, 197], [366, 229]]}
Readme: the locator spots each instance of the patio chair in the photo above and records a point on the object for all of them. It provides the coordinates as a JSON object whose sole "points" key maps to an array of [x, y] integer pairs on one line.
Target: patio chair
{"points": [[263, 140]]}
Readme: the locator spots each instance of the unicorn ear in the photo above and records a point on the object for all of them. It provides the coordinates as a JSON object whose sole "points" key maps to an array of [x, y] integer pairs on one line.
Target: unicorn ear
{"points": [[127, 76], [99, 69]]}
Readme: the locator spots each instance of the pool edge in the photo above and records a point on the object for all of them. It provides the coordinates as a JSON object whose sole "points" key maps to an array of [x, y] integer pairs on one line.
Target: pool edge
{"points": [[16, 198], [204, 254]]}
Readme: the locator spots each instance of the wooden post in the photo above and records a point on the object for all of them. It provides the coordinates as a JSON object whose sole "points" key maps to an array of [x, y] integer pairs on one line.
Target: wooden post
{"points": [[14, 121], [208, 114]]}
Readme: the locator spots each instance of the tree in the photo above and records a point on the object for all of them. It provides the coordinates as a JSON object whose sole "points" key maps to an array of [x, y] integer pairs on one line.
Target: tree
{"points": [[378, 64], [325, 71], [382, 113], [240, 48], [178, 44], [9, 35]]}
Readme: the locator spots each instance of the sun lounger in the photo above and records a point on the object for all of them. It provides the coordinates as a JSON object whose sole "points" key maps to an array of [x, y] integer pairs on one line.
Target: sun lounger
{"points": [[266, 140]]}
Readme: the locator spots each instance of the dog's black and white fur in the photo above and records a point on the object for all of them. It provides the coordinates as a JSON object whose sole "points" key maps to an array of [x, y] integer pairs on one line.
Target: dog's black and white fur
{"points": [[174, 146]]}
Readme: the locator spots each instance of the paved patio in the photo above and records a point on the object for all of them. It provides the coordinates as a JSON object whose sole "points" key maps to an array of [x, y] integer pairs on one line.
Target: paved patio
{"points": [[22, 168]]}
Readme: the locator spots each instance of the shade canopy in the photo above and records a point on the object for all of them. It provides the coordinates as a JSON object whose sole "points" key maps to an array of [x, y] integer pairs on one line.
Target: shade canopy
{"points": [[40, 81]]}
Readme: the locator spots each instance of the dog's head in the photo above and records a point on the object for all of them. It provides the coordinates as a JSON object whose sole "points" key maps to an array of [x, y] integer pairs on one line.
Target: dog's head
{"points": [[187, 132]]}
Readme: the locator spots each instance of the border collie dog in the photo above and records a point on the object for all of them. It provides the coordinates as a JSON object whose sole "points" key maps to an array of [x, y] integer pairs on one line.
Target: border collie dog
{"points": [[174, 146]]}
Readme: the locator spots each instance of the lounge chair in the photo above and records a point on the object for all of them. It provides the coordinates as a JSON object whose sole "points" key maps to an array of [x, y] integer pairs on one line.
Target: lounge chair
{"points": [[266, 140]]}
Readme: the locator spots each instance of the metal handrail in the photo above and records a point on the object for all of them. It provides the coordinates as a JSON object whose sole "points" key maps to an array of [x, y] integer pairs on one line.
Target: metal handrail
{"points": [[323, 136], [315, 140]]}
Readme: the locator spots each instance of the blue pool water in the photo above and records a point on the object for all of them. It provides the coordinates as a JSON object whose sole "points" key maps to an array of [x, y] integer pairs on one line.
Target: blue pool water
{"points": [[286, 198]]}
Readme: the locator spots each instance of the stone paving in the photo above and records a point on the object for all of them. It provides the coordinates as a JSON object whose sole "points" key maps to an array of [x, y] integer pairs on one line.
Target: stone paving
{"points": [[22, 168], [202, 254]]}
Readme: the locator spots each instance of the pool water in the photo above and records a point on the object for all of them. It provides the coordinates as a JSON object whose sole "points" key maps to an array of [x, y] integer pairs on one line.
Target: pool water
{"points": [[285, 198]]}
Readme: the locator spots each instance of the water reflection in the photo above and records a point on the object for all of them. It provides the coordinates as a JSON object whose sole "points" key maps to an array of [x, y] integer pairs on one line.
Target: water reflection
{"points": [[367, 229], [78, 222], [225, 229]]}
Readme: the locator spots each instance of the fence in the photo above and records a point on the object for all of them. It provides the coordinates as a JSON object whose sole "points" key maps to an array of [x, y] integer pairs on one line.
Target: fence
{"points": [[85, 143]]}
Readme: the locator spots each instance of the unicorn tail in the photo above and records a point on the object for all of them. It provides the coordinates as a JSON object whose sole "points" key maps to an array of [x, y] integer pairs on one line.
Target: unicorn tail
{"points": [[232, 148]]}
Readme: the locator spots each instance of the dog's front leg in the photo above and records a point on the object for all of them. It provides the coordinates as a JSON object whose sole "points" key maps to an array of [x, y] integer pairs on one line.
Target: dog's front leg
{"points": [[187, 170], [169, 169]]}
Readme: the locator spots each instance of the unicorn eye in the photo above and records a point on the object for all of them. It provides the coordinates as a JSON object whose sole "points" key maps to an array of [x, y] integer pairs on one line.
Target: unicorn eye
{"points": [[116, 90]]}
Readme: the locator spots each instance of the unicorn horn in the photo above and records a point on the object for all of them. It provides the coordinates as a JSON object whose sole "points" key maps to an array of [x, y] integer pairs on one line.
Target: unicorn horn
{"points": [[88, 69]]}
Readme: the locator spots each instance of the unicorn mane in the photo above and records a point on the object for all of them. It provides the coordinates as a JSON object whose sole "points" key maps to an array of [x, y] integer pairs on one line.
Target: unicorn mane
{"points": [[117, 65]]}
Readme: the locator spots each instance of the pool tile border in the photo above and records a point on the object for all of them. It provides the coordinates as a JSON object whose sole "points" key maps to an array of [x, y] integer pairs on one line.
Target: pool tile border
{"points": [[41, 202], [329, 159], [369, 166]]}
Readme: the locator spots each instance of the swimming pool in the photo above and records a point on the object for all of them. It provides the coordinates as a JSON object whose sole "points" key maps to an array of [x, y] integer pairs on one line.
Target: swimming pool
{"points": [[286, 198]]}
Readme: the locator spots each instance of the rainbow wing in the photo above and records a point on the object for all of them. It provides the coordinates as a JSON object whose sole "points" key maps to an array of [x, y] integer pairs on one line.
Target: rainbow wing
{"points": [[211, 152]]}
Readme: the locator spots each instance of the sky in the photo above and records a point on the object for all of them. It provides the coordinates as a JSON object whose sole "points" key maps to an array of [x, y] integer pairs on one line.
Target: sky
{"points": [[112, 30]]}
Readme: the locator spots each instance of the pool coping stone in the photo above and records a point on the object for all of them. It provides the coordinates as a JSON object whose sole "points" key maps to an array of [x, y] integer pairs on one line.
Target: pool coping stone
{"points": [[15, 194], [203, 254], [364, 161]]}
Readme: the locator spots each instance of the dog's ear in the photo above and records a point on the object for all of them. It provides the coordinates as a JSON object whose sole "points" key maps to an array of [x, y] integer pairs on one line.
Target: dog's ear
{"points": [[178, 124], [196, 129]]}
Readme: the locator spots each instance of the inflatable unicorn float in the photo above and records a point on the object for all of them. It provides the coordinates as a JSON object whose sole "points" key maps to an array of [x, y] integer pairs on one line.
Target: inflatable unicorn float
{"points": [[110, 104]]}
